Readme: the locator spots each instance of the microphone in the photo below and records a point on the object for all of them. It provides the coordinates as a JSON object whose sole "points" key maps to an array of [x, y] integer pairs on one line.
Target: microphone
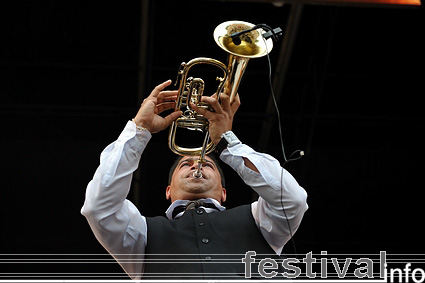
{"points": [[275, 33], [236, 36], [236, 39]]}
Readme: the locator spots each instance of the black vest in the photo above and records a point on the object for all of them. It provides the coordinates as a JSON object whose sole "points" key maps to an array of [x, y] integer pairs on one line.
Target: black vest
{"points": [[202, 245]]}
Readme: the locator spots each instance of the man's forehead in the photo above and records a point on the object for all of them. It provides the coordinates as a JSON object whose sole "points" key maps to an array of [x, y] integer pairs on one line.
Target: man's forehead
{"points": [[196, 158], [190, 158]]}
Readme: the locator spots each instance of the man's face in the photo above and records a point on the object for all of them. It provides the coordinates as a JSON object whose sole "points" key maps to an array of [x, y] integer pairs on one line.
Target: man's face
{"points": [[186, 187]]}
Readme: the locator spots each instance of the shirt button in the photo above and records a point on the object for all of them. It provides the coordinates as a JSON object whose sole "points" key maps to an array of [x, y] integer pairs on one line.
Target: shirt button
{"points": [[199, 211], [205, 240], [201, 224]]}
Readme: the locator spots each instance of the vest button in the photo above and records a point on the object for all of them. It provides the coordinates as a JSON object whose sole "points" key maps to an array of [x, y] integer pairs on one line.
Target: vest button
{"points": [[205, 240], [201, 224], [208, 258]]}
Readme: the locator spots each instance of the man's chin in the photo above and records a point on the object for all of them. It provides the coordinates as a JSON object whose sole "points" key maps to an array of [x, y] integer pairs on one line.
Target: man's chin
{"points": [[196, 187]]}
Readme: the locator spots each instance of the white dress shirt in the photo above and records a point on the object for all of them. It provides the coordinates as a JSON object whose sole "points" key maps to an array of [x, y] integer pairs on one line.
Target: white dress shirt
{"points": [[122, 230]]}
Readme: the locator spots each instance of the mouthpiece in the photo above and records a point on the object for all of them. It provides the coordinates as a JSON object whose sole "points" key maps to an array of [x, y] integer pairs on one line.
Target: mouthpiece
{"points": [[198, 174]]}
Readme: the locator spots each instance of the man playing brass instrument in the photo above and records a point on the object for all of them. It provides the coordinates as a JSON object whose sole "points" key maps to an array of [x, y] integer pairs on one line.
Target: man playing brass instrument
{"points": [[207, 242]]}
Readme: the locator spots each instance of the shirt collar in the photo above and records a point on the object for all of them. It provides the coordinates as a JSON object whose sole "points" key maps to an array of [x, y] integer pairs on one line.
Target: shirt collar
{"points": [[178, 202]]}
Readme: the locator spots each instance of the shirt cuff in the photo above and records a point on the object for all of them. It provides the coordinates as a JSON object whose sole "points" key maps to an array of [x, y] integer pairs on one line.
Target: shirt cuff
{"points": [[131, 130]]}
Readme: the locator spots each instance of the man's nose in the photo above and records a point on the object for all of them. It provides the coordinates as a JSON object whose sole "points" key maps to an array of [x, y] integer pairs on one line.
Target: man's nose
{"points": [[195, 165]]}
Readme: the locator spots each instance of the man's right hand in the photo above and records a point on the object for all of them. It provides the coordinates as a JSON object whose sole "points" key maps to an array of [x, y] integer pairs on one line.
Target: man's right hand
{"points": [[158, 101]]}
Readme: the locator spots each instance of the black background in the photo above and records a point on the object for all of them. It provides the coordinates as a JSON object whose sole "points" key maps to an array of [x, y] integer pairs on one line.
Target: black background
{"points": [[352, 100]]}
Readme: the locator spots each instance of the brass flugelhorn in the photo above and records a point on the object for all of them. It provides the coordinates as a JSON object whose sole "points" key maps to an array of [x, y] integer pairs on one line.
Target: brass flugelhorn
{"points": [[250, 44]]}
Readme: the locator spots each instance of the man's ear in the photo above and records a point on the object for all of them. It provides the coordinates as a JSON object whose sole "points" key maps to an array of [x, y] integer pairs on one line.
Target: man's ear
{"points": [[168, 192], [223, 195]]}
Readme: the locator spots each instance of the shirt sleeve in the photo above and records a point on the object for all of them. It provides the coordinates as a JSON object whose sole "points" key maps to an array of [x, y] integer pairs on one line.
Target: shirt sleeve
{"points": [[282, 201], [115, 221]]}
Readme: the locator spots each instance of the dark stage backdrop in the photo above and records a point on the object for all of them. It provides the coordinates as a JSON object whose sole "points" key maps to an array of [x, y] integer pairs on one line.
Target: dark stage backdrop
{"points": [[70, 73]]}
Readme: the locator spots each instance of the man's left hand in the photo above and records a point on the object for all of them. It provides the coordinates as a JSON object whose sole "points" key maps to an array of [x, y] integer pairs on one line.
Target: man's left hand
{"points": [[221, 120]]}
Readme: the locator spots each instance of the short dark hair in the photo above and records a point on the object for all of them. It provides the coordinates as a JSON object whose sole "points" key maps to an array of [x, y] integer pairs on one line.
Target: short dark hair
{"points": [[214, 159]]}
